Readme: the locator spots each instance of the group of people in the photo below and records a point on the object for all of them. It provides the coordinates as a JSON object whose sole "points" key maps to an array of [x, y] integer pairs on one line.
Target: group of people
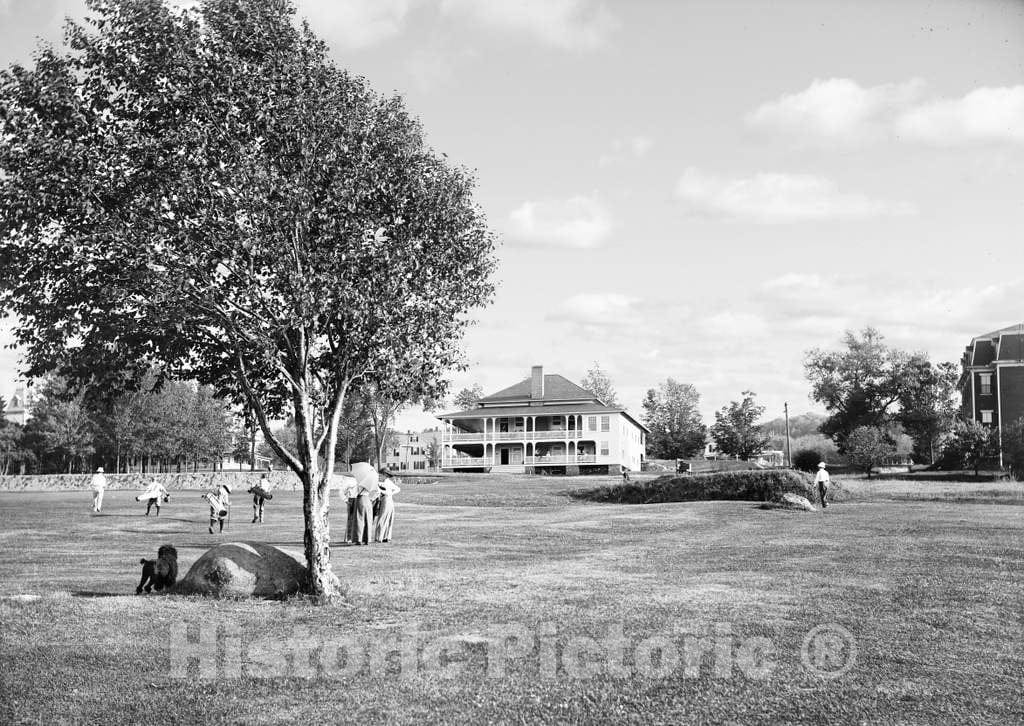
{"points": [[368, 493], [219, 498], [371, 506]]}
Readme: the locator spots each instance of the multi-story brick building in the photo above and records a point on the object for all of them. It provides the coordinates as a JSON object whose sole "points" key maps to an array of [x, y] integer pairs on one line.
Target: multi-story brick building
{"points": [[544, 423], [992, 381]]}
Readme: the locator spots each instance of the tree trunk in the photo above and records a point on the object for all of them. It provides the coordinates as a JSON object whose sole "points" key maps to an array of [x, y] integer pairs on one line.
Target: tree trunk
{"points": [[322, 583]]}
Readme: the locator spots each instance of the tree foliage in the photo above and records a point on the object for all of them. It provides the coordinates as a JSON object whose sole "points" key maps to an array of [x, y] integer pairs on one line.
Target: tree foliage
{"points": [[928, 405], [860, 385], [671, 413], [867, 446], [242, 212], [1013, 448], [736, 429], [807, 459], [467, 398], [972, 445], [597, 382]]}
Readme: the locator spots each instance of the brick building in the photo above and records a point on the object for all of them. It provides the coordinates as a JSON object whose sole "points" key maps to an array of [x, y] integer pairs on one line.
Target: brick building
{"points": [[992, 381]]}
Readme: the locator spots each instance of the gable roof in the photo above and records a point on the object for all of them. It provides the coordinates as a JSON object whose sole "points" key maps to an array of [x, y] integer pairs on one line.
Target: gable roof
{"points": [[556, 388]]}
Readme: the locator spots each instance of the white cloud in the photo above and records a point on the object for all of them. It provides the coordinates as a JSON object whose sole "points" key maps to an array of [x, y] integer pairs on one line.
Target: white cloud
{"points": [[357, 24], [578, 223], [777, 198], [984, 114], [837, 109], [622, 149], [841, 110], [567, 24], [605, 309]]}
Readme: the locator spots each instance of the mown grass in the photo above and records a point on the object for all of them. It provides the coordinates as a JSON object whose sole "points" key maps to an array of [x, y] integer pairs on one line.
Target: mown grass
{"points": [[931, 591]]}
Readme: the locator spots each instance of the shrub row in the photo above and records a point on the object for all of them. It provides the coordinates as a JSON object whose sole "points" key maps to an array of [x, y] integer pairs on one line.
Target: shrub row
{"points": [[752, 485]]}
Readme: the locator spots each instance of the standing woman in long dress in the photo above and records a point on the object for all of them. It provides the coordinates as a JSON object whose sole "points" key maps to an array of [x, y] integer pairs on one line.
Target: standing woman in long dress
{"points": [[366, 491], [386, 518]]}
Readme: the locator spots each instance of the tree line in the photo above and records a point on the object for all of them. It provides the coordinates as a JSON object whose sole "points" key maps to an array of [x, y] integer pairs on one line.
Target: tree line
{"points": [[880, 402], [160, 426]]}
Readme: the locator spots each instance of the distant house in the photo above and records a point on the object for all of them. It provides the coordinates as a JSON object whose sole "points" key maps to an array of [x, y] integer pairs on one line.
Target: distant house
{"points": [[19, 408], [543, 424], [408, 451], [992, 381]]}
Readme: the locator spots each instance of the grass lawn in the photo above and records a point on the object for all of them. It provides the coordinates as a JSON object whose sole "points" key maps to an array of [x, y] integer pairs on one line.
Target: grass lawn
{"points": [[716, 602]]}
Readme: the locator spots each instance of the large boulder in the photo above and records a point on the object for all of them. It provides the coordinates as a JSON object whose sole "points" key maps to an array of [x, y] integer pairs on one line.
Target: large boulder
{"points": [[244, 569], [795, 501]]}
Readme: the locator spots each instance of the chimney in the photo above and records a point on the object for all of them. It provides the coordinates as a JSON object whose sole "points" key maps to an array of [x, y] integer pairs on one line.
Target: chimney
{"points": [[537, 382]]}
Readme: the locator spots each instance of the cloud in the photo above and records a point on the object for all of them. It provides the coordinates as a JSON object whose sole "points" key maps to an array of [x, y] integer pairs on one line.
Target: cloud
{"points": [[773, 198], [602, 309], [841, 110], [621, 149], [565, 24], [983, 115], [915, 313], [837, 109], [355, 24], [577, 223]]}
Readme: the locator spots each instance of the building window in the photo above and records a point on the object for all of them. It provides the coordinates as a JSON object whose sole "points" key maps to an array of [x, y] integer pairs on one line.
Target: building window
{"points": [[591, 423], [986, 384], [419, 465], [986, 417], [606, 423], [604, 448]]}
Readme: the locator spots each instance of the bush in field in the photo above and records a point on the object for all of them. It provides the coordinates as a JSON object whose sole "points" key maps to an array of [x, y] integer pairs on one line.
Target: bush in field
{"points": [[972, 445], [806, 459], [751, 485]]}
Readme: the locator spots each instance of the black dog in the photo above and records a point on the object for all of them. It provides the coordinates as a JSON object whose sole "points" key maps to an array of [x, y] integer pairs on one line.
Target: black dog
{"points": [[161, 572]]}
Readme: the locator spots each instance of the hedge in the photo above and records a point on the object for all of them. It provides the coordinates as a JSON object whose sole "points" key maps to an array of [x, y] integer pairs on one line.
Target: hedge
{"points": [[753, 485]]}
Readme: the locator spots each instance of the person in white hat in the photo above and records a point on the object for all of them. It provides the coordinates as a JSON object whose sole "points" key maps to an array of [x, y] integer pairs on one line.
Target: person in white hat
{"points": [[98, 484], [822, 480]]}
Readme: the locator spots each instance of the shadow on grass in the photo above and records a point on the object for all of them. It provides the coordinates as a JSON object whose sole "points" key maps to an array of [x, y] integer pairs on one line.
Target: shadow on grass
{"points": [[96, 593]]}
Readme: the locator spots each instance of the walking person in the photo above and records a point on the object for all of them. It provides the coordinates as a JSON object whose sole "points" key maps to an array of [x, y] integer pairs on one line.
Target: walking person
{"points": [[220, 505], [155, 494], [98, 484], [367, 490], [822, 479], [260, 494], [386, 518]]}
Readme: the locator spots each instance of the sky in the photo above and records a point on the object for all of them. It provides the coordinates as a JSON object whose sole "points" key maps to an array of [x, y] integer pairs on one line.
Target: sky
{"points": [[704, 191]]}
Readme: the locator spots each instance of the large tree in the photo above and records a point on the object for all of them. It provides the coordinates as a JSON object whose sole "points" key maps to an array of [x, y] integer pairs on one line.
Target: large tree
{"points": [[859, 385], [597, 382], [203, 189], [672, 415], [928, 404], [736, 429]]}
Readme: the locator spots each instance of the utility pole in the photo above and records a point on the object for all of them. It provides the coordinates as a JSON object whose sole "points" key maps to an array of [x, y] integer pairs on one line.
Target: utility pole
{"points": [[789, 452]]}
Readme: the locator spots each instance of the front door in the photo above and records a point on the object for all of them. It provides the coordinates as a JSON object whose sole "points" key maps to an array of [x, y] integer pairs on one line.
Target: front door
{"points": [[504, 457]]}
